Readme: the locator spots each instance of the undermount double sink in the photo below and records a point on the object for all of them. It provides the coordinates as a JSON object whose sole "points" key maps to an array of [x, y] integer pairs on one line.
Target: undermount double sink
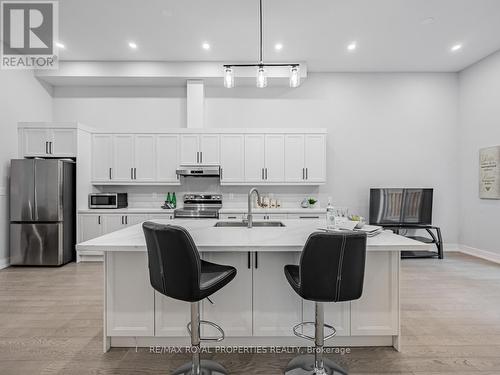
{"points": [[243, 224]]}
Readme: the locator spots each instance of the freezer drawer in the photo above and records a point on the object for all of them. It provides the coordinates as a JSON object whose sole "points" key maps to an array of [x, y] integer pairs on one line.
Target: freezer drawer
{"points": [[37, 244]]}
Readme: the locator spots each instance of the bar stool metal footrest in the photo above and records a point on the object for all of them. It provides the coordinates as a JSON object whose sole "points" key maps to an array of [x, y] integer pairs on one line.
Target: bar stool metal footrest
{"points": [[212, 324], [312, 338]]}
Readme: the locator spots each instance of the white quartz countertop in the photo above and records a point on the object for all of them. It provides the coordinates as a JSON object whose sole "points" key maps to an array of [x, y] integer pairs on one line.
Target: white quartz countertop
{"points": [[292, 237], [281, 210], [124, 211]]}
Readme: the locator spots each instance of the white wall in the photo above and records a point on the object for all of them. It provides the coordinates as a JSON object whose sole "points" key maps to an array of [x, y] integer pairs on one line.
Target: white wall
{"points": [[479, 127], [384, 129], [22, 98]]}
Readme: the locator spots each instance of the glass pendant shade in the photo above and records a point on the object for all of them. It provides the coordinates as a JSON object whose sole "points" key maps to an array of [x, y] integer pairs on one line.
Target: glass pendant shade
{"points": [[294, 77], [228, 78], [261, 78]]}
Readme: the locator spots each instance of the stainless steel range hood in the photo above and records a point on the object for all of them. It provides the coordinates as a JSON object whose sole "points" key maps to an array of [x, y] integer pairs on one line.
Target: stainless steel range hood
{"points": [[198, 171]]}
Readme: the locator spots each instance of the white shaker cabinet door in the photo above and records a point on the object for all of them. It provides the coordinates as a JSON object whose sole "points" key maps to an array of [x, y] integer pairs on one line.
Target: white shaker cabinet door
{"points": [[294, 158], [315, 158], [275, 158], [276, 306], [171, 317], [113, 222], [123, 157], [232, 305], [135, 219], [232, 148], [63, 142], [209, 149], [337, 315], [167, 157], [129, 295], [35, 142], [254, 157], [91, 226], [190, 149], [145, 158], [102, 157], [377, 311]]}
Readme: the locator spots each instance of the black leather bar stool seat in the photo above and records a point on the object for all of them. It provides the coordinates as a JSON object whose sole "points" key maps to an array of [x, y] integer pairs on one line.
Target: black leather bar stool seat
{"points": [[331, 269], [176, 271]]}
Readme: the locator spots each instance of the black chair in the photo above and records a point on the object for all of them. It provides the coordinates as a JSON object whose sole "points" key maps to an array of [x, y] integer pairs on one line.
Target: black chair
{"points": [[332, 268], [176, 271]]}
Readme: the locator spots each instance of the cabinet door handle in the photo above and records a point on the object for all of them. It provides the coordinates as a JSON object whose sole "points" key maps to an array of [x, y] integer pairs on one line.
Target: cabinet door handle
{"points": [[197, 156], [201, 156], [307, 173], [303, 173], [122, 220], [221, 173], [266, 173], [262, 172], [110, 175], [135, 173], [99, 219], [308, 217], [231, 217], [126, 220], [249, 260], [46, 147], [256, 260], [50, 148], [131, 173]]}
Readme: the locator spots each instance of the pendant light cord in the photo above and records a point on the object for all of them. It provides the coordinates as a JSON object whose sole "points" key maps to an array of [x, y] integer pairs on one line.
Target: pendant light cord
{"points": [[260, 36]]}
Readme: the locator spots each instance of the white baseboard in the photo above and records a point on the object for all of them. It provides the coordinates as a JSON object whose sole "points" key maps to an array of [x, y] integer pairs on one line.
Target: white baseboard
{"points": [[451, 247], [4, 263], [483, 254]]}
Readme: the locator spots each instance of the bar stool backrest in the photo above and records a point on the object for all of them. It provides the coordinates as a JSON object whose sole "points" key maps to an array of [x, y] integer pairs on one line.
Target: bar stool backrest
{"points": [[174, 261], [332, 266]]}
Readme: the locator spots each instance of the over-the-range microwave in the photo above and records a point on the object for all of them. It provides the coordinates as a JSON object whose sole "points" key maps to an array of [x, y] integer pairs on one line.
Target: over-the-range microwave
{"points": [[108, 200]]}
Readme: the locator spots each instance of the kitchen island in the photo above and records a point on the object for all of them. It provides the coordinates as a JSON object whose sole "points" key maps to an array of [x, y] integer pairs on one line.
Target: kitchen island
{"points": [[258, 308]]}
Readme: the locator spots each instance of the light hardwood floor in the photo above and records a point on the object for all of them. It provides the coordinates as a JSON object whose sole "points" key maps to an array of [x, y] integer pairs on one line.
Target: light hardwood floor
{"points": [[51, 323]]}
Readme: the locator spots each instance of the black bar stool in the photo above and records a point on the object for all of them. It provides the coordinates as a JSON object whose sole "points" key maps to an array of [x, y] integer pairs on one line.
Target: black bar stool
{"points": [[332, 269], [176, 271]]}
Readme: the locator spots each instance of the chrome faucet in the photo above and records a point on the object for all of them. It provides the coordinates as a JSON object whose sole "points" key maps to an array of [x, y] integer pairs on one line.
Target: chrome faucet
{"points": [[249, 213]]}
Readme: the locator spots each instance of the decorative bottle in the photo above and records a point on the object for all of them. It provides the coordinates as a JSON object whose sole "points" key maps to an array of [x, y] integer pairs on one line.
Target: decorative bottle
{"points": [[330, 215], [174, 200]]}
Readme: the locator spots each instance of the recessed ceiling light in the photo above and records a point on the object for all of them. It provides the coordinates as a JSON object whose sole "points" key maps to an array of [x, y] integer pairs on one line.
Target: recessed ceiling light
{"points": [[60, 45], [428, 21], [205, 46], [278, 46], [132, 45], [456, 47], [352, 46]]}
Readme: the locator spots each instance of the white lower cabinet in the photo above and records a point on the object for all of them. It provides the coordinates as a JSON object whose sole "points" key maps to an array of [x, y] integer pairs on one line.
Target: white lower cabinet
{"points": [[128, 275], [91, 226], [232, 305], [377, 311], [171, 316], [337, 315], [276, 306]]}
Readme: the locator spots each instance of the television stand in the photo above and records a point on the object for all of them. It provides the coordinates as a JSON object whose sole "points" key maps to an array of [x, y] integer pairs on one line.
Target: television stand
{"points": [[435, 238]]}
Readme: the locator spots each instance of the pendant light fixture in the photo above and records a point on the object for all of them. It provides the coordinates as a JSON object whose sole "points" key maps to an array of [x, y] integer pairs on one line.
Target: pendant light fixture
{"points": [[261, 78]]}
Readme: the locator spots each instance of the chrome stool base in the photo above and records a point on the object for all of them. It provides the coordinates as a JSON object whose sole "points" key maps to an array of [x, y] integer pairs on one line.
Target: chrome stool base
{"points": [[304, 365], [207, 367]]}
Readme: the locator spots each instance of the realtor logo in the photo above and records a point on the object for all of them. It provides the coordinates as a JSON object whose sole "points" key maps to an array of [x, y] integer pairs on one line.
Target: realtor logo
{"points": [[29, 31]]}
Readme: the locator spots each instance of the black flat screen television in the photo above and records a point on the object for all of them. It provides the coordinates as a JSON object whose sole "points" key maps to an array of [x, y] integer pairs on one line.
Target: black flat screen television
{"points": [[393, 206]]}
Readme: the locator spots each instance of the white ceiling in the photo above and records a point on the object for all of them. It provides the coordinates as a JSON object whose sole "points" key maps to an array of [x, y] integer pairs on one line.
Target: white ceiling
{"points": [[390, 34]]}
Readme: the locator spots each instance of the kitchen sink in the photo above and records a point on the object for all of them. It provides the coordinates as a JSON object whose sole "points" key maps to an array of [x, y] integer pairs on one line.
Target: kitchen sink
{"points": [[242, 224]]}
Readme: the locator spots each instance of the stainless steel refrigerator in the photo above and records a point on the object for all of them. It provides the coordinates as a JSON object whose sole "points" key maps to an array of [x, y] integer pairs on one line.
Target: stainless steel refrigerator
{"points": [[42, 212]]}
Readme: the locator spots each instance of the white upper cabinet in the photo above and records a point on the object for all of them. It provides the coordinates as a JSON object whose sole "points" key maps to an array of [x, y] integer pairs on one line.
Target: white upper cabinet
{"points": [[305, 158], [167, 157], [190, 149], [315, 158], [144, 158], [294, 156], [102, 157], [246, 158], [254, 157], [47, 142], [209, 149], [200, 149], [275, 158], [123, 157], [232, 158]]}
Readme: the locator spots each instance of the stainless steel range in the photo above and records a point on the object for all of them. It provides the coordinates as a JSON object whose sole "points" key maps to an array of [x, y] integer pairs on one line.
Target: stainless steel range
{"points": [[200, 206]]}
